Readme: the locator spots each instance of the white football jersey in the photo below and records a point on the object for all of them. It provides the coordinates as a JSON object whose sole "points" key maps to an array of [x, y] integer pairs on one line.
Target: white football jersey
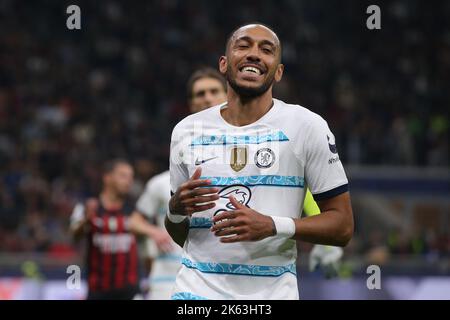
{"points": [[266, 165], [153, 203]]}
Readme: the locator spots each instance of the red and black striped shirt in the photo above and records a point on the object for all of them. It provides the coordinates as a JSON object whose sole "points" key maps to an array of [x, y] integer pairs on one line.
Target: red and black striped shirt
{"points": [[112, 256]]}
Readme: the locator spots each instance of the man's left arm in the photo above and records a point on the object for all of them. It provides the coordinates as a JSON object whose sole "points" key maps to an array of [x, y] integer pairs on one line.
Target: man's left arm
{"points": [[323, 257], [325, 176], [334, 226]]}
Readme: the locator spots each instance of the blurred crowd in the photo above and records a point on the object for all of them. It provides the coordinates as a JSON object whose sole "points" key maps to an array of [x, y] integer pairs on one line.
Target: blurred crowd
{"points": [[69, 99]]}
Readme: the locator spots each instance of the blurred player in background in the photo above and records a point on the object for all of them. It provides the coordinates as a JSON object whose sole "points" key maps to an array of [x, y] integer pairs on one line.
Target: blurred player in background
{"points": [[206, 88], [110, 228], [247, 221]]}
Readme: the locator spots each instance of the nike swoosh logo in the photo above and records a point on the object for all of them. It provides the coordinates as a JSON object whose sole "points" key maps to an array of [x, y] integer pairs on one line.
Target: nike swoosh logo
{"points": [[199, 162]]}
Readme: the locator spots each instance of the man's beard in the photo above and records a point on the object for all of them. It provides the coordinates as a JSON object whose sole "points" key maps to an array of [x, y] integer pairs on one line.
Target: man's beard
{"points": [[248, 92]]}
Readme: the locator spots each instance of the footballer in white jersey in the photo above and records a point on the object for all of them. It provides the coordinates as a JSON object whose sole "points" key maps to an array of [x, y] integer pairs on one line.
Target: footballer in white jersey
{"points": [[266, 166], [238, 174]]}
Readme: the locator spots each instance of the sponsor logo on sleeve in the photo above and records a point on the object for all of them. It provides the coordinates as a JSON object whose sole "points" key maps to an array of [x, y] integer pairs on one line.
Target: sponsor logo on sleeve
{"points": [[332, 144]]}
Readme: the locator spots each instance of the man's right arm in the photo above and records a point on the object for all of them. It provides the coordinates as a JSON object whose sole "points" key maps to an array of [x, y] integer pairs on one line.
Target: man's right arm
{"points": [[191, 196]]}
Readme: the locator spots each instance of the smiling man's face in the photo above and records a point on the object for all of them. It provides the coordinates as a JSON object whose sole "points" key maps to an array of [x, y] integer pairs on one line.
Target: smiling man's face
{"points": [[252, 61]]}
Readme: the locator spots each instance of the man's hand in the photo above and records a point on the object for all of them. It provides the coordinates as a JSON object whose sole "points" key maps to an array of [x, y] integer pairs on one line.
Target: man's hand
{"points": [[327, 258], [191, 197], [138, 225], [82, 226], [242, 224], [162, 240]]}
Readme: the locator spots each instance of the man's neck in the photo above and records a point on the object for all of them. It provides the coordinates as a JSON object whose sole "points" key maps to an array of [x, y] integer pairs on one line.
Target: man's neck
{"points": [[241, 111], [110, 200]]}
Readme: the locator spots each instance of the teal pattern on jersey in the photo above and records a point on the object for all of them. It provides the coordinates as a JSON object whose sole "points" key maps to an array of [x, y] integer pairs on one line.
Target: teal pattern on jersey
{"points": [[199, 223], [240, 269], [264, 180], [186, 296], [207, 140]]}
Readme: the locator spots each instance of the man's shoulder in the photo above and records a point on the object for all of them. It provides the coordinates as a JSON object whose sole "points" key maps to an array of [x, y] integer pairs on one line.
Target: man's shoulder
{"points": [[297, 115]]}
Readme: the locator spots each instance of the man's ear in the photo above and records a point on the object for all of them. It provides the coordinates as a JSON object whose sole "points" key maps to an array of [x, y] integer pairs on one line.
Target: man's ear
{"points": [[279, 72], [223, 64]]}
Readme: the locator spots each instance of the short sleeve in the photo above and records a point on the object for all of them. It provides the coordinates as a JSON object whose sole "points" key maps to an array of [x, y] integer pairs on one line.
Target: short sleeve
{"points": [[324, 173]]}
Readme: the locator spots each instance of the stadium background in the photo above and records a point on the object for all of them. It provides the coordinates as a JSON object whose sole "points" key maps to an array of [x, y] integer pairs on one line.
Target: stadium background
{"points": [[71, 99]]}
